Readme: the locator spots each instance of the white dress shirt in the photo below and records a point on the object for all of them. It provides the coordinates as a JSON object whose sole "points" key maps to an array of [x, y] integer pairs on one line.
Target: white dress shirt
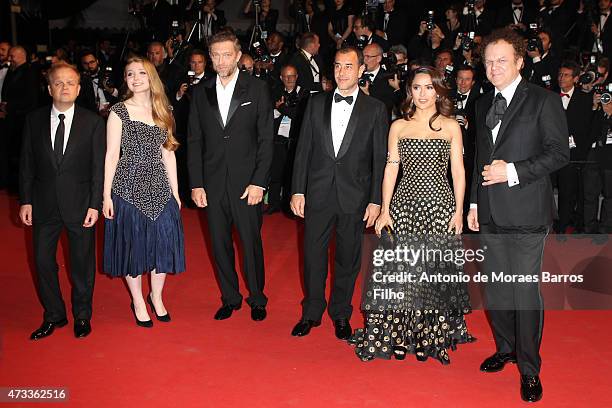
{"points": [[374, 73], [69, 115], [196, 80], [566, 100], [224, 95], [340, 116], [314, 67]]}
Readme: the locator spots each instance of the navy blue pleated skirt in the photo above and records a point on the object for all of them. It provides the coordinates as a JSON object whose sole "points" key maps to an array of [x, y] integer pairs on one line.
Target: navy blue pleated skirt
{"points": [[135, 244]]}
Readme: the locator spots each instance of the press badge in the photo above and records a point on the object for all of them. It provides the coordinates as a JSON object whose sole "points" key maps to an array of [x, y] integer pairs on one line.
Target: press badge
{"points": [[285, 126]]}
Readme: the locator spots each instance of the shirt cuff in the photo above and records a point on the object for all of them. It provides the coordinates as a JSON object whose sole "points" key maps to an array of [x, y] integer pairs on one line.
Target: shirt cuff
{"points": [[473, 206], [378, 205], [299, 194], [263, 188], [513, 178], [536, 59]]}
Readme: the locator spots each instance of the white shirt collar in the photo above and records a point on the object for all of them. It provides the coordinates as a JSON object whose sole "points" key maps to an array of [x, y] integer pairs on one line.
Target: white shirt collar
{"points": [[201, 75], [374, 73], [509, 91], [231, 83], [277, 54], [307, 54], [570, 92], [68, 113], [353, 94]]}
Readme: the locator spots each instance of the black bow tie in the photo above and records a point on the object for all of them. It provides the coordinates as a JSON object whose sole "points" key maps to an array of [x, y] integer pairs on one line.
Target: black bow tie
{"points": [[340, 98], [4, 66], [496, 111]]}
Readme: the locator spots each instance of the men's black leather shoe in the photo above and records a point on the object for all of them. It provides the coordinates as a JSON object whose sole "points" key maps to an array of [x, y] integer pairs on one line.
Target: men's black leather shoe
{"points": [[343, 329], [497, 362], [47, 328], [258, 313], [303, 327], [225, 311], [531, 388], [81, 328]]}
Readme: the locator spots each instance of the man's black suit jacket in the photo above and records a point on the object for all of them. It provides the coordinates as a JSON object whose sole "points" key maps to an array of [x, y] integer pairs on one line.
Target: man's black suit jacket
{"points": [[305, 77], [235, 155], [534, 136], [381, 90], [579, 118], [357, 171], [74, 185]]}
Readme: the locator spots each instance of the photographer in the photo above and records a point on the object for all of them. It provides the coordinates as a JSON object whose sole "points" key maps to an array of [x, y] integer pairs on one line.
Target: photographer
{"points": [[597, 174], [268, 17], [516, 14], [600, 40], [270, 59], [375, 81], [541, 66], [364, 33], [600, 76], [394, 24], [428, 41], [170, 74], [578, 112], [246, 63], [308, 62], [213, 19], [98, 82], [290, 102]]}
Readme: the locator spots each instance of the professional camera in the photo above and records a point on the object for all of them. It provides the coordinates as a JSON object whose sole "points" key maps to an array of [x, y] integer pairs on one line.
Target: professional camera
{"points": [[190, 77], [467, 40], [547, 81], [605, 91], [430, 20], [107, 77], [534, 42], [260, 53], [361, 42], [448, 73], [590, 73], [365, 79], [388, 59], [291, 99], [459, 104]]}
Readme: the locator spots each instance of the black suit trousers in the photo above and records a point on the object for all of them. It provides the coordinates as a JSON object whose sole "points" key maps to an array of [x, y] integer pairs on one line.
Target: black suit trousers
{"points": [[570, 196], [318, 227], [247, 219], [597, 180], [82, 260], [515, 309]]}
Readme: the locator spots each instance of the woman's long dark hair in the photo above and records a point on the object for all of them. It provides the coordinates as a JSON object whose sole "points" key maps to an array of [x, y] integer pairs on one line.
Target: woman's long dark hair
{"points": [[444, 106]]}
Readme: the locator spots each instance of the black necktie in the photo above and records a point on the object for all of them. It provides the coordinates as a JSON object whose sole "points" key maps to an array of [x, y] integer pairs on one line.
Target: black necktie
{"points": [[496, 111], [58, 144], [340, 98]]}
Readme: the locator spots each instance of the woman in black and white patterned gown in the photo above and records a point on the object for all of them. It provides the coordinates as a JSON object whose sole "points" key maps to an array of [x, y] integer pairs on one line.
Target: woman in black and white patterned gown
{"points": [[424, 212]]}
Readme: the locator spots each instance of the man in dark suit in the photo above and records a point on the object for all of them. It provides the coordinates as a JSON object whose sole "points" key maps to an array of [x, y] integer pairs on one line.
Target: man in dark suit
{"points": [[364, 28], [308, 63], [170, 74], [599, 37], [20, 95], [229, 148], [542, 66], [377, 84], [516, 14], [578, 112], [337, 182], [395, 23], [290, 103], [60, 183], [558, 17], [158, 15], [521, 139]]}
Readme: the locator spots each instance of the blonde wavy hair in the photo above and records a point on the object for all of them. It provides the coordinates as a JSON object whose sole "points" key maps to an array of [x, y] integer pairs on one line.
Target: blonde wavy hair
{"points": [[162, 113]]}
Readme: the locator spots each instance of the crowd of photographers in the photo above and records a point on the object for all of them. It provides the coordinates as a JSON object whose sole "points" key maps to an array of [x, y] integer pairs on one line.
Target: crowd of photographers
{"points": [[569, 46]]}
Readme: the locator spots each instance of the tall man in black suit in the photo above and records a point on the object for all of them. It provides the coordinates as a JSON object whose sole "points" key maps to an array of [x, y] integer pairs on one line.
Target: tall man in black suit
{"points": [[308, 62], [364, 28], [521, 139], [516, 14], [60, 183], [579, 115], [395, 23], [378, 85], [337, 181], [229, 150]]}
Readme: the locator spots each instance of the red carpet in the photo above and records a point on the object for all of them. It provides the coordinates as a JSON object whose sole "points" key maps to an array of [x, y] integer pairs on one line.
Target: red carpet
{"points": [[195, 361]]}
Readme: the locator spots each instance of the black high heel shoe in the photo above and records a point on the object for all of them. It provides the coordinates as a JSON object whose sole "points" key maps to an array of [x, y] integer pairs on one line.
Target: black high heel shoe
{"points": [[399, 352], [164, 318], [141, 323]]}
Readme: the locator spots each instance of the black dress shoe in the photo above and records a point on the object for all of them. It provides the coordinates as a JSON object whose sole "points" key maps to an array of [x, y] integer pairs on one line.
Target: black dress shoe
{"points": [[497, 362], [258, 313], [81, 328], [343, 329], [141, 323], [531, 388], [303, 327], [46, 329], [164, 318], [225, 311]]}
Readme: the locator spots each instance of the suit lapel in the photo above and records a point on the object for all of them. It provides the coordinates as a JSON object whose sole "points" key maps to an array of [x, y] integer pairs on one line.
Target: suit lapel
{"points": [[211, 94], [327, 134], [486, 101], [352, 125], [511, 111], [46, 137], [72, 138], [240, 91]]}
